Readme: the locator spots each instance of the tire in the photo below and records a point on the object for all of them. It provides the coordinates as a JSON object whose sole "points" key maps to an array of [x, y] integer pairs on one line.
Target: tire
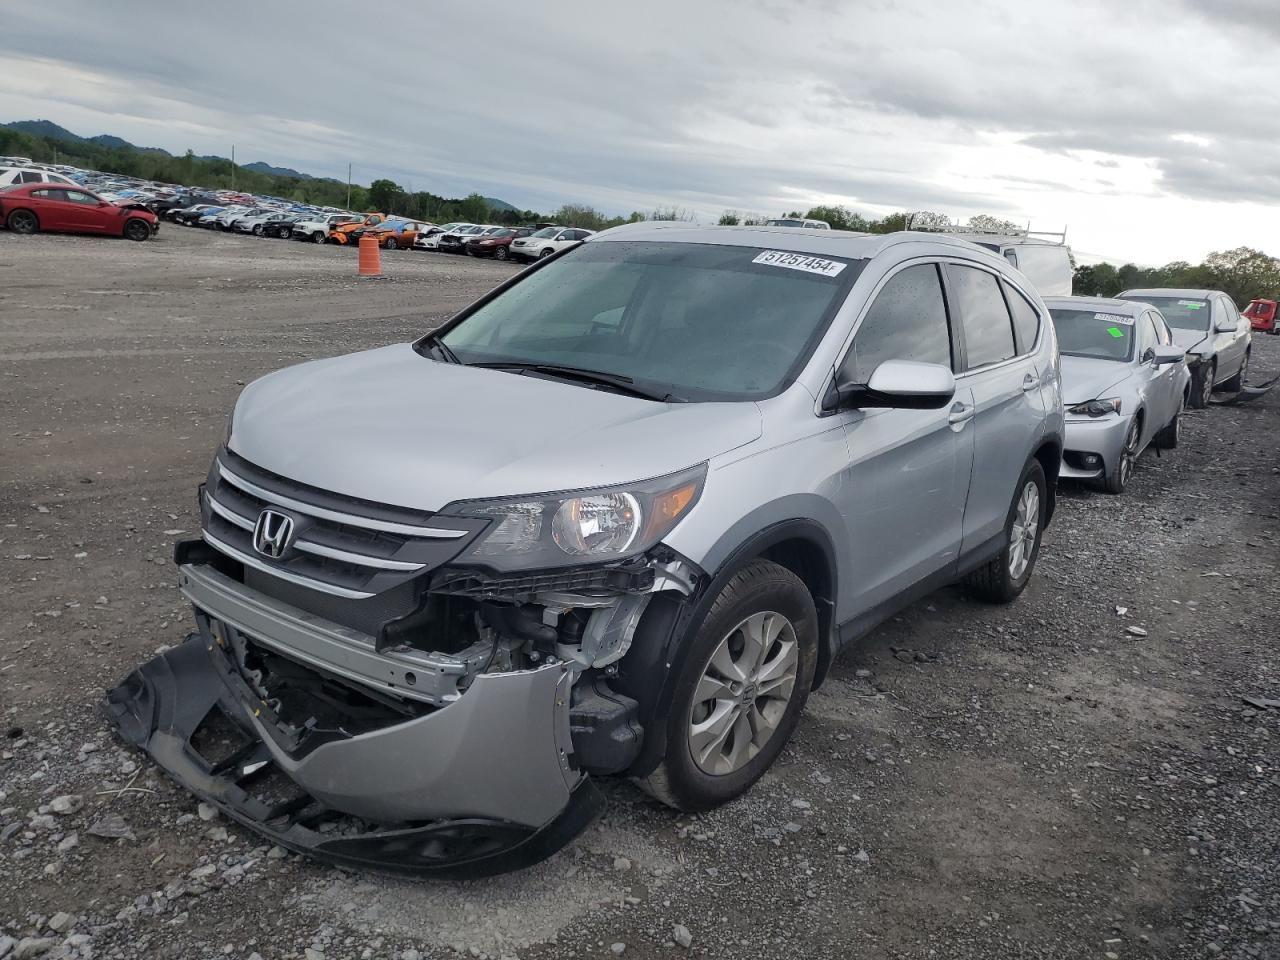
{"points": [[257, 230], [1121, 472], [1167, 439], [23, 221], [135, 229], [545, 253], [389, 243], [1202, 386], [500, 253], [1237, 382], [285, 234], [767, 601], [317, 237], [996, 582]]}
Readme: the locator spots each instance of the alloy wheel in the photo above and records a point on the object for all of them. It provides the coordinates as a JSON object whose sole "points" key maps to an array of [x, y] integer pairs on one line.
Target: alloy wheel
{"points": [[1129, 455], [743, 693], [1026, 527], [23, 221], [1206, 387]]}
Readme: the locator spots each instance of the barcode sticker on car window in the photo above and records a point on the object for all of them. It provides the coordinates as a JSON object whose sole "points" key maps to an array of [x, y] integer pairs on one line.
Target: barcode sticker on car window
{"points": [[1191, 304], [798, 261], [1114, 318]]}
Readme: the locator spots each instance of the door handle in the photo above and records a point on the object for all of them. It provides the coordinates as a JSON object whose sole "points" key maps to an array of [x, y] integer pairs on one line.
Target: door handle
{"points": [[1029, 382], [960, 412]]}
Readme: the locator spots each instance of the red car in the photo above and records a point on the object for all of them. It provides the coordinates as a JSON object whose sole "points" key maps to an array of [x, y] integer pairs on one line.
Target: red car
{"points": [[498, 244], [29, 207], [1261, 315]]}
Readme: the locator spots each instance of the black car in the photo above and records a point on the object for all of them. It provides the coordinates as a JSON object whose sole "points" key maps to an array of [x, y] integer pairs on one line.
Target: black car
{"points": [[283, 229]]}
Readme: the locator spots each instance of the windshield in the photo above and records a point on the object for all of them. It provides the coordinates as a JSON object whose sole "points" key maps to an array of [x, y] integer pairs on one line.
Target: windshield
{"points": [[1095, 334], [662, 315], [785, 223], [547, 232], [1179, 313]]}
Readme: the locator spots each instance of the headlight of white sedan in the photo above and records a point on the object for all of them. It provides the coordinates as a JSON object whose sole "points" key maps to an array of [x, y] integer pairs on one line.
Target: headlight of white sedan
{"points": [[1096, 408], [580, 526]]}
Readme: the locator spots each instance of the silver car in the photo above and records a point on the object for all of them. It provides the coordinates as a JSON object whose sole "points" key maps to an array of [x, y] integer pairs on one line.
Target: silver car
{"points": [[1125, 383], [1217, 338], [616, 517]]}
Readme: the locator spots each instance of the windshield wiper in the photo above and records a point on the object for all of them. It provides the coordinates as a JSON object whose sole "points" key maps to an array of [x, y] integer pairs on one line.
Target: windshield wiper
{"points": [[615, 381], [446, 353]]}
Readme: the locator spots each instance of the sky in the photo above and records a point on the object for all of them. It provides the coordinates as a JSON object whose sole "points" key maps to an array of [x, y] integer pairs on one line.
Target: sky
{"points": [[1148, 129]]}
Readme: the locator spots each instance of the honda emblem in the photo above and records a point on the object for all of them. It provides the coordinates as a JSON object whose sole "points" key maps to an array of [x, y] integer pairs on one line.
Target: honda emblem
{"points": [[273, 534]]}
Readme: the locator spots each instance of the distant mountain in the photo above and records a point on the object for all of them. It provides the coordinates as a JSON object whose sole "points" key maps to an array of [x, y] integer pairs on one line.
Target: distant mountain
{"points": [[496, 204], [44, 128], [261, 167]]}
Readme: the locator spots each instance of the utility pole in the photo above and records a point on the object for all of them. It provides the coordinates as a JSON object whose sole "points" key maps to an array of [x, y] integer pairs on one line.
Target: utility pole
{"points": [[348, 186], [233, 166]]}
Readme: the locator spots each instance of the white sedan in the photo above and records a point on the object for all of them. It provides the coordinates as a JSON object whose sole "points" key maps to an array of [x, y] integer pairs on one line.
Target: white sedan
{"points": [[546, 242]]}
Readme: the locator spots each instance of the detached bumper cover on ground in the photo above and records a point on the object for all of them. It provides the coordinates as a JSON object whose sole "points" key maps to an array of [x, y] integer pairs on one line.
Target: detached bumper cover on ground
{"points": [[426, 796]]}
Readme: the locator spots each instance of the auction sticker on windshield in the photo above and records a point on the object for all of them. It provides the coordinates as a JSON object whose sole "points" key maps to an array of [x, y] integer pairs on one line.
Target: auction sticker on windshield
{"points": [[798, 261], [1114, 318]]}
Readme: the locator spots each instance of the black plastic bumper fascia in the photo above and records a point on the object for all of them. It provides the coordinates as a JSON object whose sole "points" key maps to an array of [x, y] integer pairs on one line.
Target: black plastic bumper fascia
{"points": [[162, 703]]}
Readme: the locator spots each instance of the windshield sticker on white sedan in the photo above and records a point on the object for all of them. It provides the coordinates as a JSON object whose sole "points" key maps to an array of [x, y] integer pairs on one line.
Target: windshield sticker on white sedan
{"points": [[798, 261], [1191, 304], [1114, 318]]}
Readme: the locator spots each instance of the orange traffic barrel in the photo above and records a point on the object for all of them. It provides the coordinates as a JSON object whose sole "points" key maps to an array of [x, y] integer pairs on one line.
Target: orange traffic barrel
{"points": [[370, 257]]}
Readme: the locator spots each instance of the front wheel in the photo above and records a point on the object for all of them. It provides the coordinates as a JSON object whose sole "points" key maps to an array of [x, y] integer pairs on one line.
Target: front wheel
{"points": [[389, 243], [500, 253], [1122, 470], [545, 253], [317, 237], [1237, 382], [740, 690], [285, 234], [23, 221], [257, 229], [138, 230], [1202, 385], [1005, 577]]}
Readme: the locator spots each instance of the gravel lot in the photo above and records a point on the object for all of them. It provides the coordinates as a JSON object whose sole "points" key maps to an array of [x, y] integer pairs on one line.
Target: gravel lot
{"points": [[1073, 776]]}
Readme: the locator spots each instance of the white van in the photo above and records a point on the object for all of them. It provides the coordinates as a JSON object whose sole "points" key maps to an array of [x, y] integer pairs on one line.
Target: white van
{"points": [[1045, 263]]}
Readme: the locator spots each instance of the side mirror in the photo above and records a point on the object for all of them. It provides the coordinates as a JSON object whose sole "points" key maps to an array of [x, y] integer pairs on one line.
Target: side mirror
{"points": [[1224, 326], [1165, 355], [900, 384]]}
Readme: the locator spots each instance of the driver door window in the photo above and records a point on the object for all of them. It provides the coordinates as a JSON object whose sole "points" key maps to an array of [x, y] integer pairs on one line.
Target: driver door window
{"points": [[1147, 338], [907, 321]]}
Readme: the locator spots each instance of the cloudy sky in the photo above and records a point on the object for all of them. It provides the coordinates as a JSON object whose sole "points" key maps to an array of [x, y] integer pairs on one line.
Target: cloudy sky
{"points": [[1149, 128]]}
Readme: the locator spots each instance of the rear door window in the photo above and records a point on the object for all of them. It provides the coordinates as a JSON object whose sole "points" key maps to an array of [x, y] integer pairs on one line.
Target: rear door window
{"points": [[906, 321], [1026, 319], [984, 317]]}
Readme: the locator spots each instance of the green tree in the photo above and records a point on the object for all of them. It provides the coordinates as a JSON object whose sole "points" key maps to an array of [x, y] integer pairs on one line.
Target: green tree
{"points": [[729, 218], [385, 195]]}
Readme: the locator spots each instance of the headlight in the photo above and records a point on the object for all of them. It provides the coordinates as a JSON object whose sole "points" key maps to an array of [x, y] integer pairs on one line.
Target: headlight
{"points": [[1096, 408], [582, 526]]}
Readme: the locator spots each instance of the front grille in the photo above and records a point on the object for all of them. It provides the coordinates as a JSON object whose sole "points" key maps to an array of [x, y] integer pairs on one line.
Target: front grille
{"points": [[341, 546]]}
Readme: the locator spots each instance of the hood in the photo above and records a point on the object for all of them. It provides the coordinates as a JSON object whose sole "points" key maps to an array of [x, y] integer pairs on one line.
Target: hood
{"points": [[1188, 338], [393, 427], [1085, 379]]}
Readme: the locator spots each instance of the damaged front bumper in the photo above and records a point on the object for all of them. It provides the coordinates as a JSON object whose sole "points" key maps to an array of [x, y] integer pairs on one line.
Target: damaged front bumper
{"points": [[372, 752], [479, 786]]}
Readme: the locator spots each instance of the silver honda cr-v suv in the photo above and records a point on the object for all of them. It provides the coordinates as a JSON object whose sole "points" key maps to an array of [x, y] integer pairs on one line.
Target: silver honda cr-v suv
{"points": [[616, 517]]}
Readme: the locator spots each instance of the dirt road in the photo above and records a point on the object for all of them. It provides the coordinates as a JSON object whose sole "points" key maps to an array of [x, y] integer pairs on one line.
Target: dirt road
{"points": [[1041, 780]]}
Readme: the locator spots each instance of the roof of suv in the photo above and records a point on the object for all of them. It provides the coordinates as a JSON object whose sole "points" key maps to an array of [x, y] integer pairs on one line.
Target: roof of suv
{"points": [[823, 243], [1168, 292]]}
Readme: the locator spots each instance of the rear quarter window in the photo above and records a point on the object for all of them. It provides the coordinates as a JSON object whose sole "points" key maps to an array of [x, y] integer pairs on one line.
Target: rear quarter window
{"points": [[1026, 319]]}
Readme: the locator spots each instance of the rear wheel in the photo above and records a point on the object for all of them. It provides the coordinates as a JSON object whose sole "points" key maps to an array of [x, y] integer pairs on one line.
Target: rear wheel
{"points": [[23, 221], [545, 253], [135, 229], [257, 229], [741, 689], [1236, 382], [1005, 577]]}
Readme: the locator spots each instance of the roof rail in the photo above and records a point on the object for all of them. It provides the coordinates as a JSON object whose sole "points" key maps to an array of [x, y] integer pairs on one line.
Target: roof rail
{"points": [[1059, 237]]}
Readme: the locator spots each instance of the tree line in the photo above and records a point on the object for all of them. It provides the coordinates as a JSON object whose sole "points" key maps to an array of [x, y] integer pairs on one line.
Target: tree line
{"points": [[1243, 274]]}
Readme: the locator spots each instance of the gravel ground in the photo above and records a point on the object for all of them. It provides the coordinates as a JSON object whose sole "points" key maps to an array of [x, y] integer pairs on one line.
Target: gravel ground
{"points": [[1073, 776]]}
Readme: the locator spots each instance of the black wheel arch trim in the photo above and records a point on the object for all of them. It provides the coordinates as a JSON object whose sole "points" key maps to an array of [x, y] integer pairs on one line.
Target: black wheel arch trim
{"points": [[649, 671]]}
